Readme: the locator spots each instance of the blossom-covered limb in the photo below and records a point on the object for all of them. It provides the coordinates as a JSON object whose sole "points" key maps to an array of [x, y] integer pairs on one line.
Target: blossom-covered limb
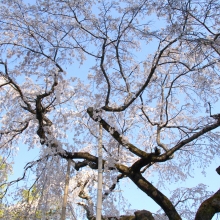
{"points": [[115, 134]]}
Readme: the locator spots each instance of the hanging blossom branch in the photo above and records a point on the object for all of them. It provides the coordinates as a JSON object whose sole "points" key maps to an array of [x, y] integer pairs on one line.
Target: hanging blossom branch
{"points": [[27, 167]]}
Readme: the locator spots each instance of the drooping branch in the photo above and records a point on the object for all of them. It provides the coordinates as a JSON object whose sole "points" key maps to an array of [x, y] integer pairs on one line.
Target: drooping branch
{"points": [[84, 195], [26, 168], [142, 214], [119, 177]]}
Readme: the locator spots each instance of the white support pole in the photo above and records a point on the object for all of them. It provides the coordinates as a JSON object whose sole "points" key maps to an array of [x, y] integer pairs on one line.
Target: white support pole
{"points": [[99, 192], [63, 215]]}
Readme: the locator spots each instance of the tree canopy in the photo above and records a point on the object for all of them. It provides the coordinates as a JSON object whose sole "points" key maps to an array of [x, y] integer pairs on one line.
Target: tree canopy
{"points": [[146, 70]]}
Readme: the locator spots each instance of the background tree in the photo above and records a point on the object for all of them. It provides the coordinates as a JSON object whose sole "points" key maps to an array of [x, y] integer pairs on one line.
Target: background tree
{"points": [[4, 171], [153, 69]]}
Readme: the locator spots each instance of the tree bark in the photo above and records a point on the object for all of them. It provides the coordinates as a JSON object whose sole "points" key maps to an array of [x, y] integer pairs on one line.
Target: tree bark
{"points": [[143, 215], [209, 207], [155, 194], [138, 215]]}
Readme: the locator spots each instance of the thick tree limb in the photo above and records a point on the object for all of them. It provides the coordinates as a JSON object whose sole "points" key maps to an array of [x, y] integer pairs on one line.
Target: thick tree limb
{"points": [[150, 190], [155, 194], [115, 134], [209, 207]]}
